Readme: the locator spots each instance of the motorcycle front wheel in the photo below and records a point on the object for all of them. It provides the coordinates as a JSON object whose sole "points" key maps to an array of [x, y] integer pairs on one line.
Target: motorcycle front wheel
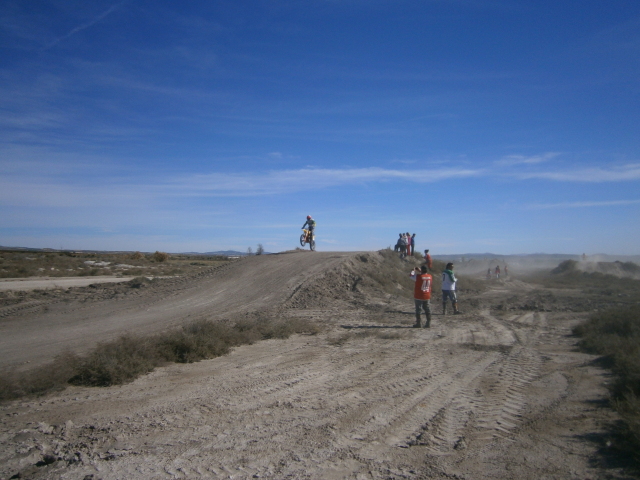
{"points": [[302, 239]]}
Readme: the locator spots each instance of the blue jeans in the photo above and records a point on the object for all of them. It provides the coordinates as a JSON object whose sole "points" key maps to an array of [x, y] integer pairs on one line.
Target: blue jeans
{"points": [[446, 294]]}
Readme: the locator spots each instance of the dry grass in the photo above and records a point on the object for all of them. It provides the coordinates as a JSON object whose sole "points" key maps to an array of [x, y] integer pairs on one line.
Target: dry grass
{"points": [[615, 334], [392, 275], [128, 357], [597, 286], [363, 333], [21, 264]]}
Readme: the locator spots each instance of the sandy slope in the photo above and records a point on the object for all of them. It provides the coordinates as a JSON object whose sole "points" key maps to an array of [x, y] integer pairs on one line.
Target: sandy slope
{"points": [[479, 395], [38, 334]]}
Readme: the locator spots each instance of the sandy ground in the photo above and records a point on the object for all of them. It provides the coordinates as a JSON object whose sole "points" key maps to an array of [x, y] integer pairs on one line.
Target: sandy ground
{"points": [[23, 284], [486, 394]]}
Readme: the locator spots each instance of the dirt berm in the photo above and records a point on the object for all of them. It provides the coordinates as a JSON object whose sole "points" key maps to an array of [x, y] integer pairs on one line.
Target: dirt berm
{"points": [[38, 333], [492, 393]]}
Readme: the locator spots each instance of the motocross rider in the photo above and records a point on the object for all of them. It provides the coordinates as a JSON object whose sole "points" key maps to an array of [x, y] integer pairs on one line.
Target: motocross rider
{"points": [[312, 225]]}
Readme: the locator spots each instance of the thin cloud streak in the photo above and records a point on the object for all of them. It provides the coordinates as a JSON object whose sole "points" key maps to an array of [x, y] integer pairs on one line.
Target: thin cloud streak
{"points": [[288, 181], [612, 203], [21, 188], [48, 192], [511, 160], [589, 175], [84, 26]]}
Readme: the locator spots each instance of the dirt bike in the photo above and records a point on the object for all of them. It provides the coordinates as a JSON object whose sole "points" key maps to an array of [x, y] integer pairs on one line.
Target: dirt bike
{"points": [[307, 237]]}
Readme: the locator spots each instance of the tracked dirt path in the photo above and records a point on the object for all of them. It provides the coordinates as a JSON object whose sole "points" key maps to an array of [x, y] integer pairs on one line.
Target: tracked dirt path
{"points": [[479, 395]]}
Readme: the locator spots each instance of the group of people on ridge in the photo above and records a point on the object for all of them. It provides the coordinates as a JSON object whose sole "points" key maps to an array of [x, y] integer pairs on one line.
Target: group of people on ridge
{"points": [[405, 244]]}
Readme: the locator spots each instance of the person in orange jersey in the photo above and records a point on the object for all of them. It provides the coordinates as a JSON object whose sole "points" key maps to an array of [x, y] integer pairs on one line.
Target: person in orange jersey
{"points": [[422, 294]]}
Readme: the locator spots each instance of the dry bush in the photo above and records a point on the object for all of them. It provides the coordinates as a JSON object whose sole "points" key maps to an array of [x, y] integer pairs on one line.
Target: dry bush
{"points": [[136, 256], [363, 333], [128, 357], [198, 341], [47, 378], [160, 257], [139, 282], [615, 334], [117, 362]]}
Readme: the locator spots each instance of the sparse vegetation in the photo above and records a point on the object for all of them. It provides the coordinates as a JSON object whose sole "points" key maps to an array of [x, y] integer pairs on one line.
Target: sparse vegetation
{"points": [[381, 333], [123, 360], [615, 334], [603, 290], [160, 257], [260, 249], [393, 275], [21, 264]]}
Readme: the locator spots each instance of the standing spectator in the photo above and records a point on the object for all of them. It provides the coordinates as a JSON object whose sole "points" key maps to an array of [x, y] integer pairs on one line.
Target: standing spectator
{"points": [[413, 244], [497, 271], [449, 289], [403, 246], [408, 237], [506, 270], [422, 294], [398, 243], [427, 259], [489, 273]]}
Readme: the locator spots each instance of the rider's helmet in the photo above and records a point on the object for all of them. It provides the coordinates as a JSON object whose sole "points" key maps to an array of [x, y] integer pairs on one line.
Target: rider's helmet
{"points": [[308, 217]]}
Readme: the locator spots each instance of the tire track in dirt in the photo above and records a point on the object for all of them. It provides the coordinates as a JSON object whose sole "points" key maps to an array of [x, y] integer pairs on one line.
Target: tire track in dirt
{"points": [[26, 307], [369, 397]]}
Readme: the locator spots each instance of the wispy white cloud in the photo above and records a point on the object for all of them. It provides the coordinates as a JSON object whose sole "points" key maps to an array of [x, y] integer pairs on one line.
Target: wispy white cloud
{"points": [[29, 190], [591, 175], [286, 181], [611, 203], [509, 160]]}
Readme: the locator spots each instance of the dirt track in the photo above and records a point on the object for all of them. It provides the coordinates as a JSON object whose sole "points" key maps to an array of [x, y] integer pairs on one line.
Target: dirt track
{"points": [[480, 395]]}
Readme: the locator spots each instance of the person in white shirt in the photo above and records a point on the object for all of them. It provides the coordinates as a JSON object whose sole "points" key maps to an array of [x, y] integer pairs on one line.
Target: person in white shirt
{"points": [[449, 289]]}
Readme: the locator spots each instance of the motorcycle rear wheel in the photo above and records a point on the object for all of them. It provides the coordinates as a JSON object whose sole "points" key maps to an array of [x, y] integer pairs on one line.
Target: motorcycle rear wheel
{"points": [[312, 245]]}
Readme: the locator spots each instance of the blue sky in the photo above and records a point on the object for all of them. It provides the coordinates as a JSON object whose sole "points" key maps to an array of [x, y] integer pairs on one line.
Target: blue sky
{"points": [[501, 126]]}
